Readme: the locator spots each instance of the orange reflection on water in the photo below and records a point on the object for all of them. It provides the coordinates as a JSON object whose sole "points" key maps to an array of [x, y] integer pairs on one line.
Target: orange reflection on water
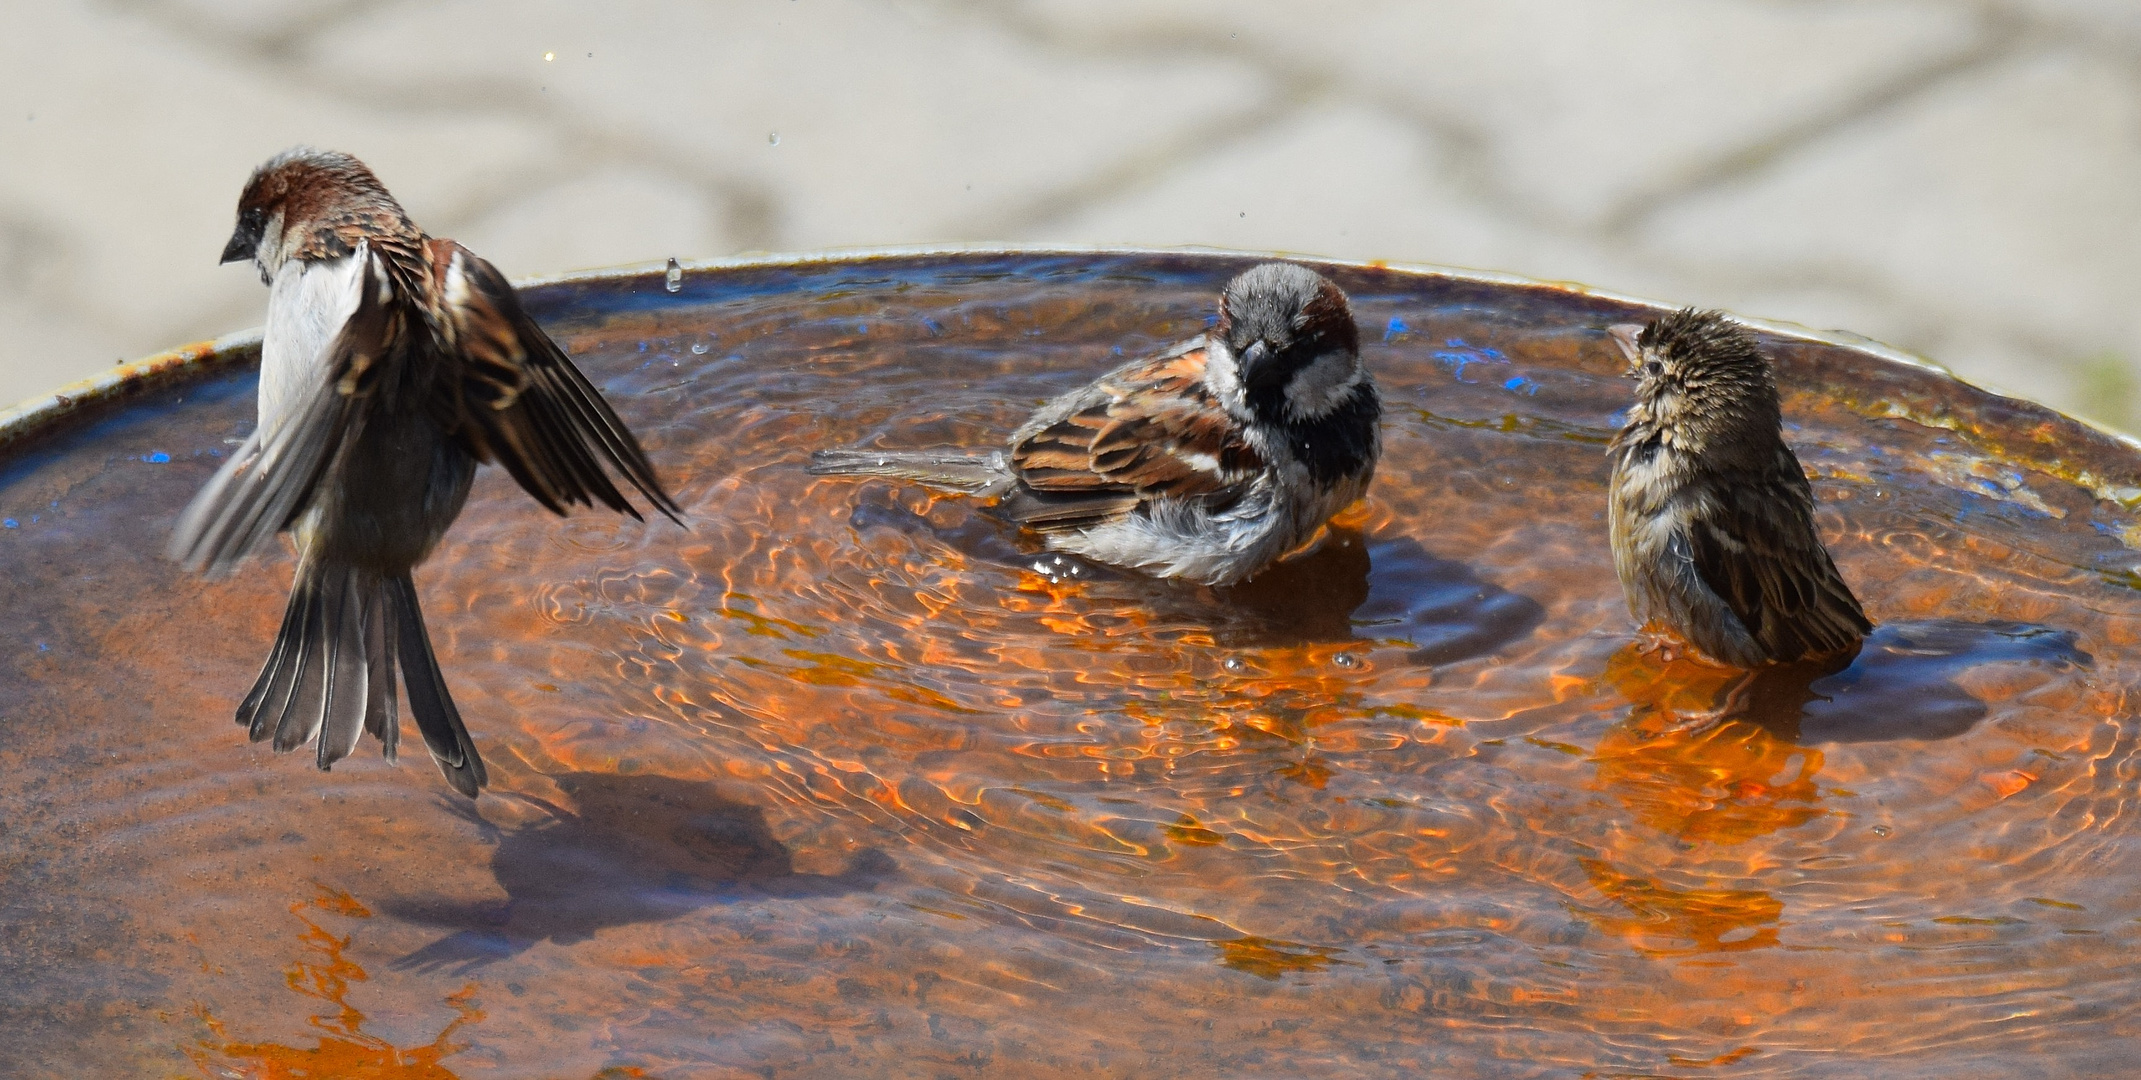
{"points": [[1722, 783], [1268, 958], [344, 1050], [1668, 689], [1726, 784], [1668, 921]]}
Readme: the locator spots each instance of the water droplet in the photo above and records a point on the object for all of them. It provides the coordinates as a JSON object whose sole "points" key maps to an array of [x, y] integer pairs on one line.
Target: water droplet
{"points": [[1346, 660], [674, 279], [1882, 830], [1235, 664], [699, 349], [773, 138], [1057, 568]]}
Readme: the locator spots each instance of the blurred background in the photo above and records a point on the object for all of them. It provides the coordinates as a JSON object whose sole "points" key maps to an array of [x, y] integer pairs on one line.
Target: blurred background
{"points": [[1960, 179]]}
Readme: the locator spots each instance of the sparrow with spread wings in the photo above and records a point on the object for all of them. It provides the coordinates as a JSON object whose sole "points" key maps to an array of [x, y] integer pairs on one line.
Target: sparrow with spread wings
{"points": [[1710, 516], [392, 364], [1208, 462]]}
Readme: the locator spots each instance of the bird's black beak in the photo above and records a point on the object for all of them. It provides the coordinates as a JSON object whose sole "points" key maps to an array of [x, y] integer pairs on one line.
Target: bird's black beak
{"points": [[1255, 362], [241, 246]]}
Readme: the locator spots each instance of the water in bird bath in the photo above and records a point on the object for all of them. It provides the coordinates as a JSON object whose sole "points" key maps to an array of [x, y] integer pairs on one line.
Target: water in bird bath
{"points": [[848, 779]]}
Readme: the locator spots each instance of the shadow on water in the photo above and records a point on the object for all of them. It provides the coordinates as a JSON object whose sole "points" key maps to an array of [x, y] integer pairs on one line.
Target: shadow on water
{"points": [[1353, 588], [634, 849], [1441, 606], [1901, 684]]}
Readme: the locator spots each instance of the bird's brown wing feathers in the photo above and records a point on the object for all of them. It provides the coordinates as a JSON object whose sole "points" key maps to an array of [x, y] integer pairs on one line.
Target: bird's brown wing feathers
{"points": [[1760, 554], [522, 402], [1146, 431], [272, 476]]}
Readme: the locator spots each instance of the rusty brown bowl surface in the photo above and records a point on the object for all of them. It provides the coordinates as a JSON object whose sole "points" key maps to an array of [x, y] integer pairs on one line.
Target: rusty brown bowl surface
{"points": [[847, 779]]}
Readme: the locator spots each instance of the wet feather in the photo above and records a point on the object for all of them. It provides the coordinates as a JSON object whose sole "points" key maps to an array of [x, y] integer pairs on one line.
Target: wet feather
{"points": [[1711, 516], [1209, 461]]}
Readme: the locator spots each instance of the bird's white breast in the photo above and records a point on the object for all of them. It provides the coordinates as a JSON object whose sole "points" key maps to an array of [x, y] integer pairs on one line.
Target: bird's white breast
{"points": [[307, 305], [1222, 376]]}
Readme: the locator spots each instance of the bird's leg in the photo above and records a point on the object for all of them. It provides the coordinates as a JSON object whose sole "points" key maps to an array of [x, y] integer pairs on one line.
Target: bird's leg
{"points": [[1655, 643], [1735, 703]]}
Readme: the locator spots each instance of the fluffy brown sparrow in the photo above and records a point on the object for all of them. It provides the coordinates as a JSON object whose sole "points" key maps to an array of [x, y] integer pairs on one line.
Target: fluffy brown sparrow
{"points": [[1209, 462], [1712, 519], [392, 364]]}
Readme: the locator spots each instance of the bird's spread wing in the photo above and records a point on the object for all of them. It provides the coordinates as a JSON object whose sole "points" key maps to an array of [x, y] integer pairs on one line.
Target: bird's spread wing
{"points": [[1758, 551], [268, 481], [1150, 430], [523, 404]]}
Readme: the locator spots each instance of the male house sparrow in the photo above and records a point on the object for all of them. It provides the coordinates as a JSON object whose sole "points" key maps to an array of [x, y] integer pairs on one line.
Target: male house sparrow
{"points": [[1712, 519], [1208, 462], [391, 365]]}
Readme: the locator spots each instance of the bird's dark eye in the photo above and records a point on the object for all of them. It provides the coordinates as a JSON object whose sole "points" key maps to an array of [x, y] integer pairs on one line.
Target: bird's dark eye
{"points": [[1651, 368]]}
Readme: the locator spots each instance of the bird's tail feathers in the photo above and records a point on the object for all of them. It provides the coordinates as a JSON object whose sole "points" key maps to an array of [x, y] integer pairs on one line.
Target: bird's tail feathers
{"points": [[967, 470], [444, 733], [330, 675], [323, 678]]}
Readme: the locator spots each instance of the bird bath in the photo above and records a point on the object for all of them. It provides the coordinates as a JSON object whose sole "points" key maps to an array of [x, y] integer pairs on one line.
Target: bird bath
{"points": [[845, 780]]}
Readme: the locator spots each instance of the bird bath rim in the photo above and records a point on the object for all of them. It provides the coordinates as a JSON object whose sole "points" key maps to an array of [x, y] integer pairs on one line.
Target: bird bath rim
{"points": [[30, 417]]}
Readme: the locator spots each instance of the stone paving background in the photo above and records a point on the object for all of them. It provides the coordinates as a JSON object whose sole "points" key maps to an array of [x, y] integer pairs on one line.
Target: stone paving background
{"points": [[1962, 179]]}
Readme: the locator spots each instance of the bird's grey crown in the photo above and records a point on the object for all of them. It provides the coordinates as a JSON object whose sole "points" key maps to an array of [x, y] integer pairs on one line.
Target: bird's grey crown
{"points": [[1265, 302]]}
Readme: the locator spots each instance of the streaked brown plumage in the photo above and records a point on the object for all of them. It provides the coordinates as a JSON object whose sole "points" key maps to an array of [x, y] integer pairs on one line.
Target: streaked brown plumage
{"points": [[1711, 516], [1140, 432], [391, 365]]}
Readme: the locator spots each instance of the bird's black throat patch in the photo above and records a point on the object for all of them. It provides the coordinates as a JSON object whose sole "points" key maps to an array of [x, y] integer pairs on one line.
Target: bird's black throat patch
{"points": [[1334, 445]]}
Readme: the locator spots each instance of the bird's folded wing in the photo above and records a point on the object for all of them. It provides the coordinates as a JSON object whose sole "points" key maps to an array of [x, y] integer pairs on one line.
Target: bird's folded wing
{"points": [[268, 481], [524, 405], [1144, 432], [1760, 554]]}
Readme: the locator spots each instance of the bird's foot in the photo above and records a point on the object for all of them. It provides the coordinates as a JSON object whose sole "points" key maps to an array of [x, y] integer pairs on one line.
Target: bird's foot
{"points": [[1661, 646], [1734, 704]]}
